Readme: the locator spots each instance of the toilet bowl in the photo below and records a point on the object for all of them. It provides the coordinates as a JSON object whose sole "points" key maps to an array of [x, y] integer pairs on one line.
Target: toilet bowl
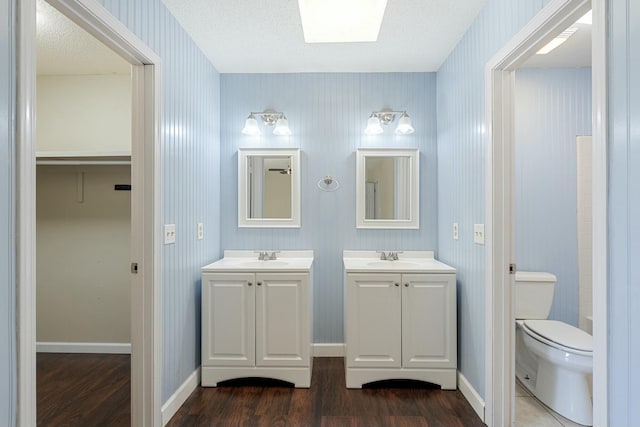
{"points": [[553, 359]]}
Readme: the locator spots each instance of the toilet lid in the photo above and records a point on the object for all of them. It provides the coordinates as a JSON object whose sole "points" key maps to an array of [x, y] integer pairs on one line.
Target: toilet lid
{"points": [[561, 333]]}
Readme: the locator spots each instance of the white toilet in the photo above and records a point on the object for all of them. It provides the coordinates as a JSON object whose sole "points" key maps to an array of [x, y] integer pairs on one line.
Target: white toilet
{"points": [[553, 359]]}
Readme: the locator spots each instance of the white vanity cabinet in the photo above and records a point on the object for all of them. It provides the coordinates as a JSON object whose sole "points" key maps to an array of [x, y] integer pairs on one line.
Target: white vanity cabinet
{"points": [[256, 323], [400, 321]]}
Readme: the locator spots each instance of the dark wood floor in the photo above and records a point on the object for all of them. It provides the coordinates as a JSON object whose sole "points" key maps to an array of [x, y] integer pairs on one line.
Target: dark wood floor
{"points": [[83, 390], [327, 403], [94, 390]]}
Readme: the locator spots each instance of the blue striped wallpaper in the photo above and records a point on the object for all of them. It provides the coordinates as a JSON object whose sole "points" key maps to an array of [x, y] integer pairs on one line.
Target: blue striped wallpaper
{"points": [[327, 114], [461, 167], [194, 169], [191, 180], [552, 108], [624, 211], [8, 389]]}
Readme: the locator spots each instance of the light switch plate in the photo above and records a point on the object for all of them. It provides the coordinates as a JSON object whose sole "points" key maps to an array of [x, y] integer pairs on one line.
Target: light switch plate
{"points": [[455, 231], [478, 234], [200, 231], [169, 234]]}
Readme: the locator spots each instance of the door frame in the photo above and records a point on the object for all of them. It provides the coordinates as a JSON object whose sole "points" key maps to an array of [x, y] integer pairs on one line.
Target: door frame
{"points": [[146, 179], [499, 110]]}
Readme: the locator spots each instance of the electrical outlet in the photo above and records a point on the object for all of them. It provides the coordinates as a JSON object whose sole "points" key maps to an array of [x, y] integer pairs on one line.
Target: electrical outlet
{"points": [[455, 231], [169, 234], [478, 234], [200, 231]]}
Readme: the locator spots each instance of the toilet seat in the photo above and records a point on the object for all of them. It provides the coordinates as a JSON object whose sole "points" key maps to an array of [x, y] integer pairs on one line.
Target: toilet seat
{"points": [[560, 335]]}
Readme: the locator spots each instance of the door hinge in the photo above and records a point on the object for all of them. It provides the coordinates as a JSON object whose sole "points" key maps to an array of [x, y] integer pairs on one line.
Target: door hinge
{"points": [[512, 268], [134, 268]]}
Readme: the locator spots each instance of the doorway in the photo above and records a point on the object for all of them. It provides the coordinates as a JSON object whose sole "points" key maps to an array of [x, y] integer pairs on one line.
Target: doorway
{"points": [[552, 113], [145, 205], [499, 84]]}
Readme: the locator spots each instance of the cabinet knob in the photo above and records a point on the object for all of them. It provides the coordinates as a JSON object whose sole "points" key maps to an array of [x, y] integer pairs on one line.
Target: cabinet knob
{"points": [[250, 283], [406, 285], [397, 284], [259, 283]]}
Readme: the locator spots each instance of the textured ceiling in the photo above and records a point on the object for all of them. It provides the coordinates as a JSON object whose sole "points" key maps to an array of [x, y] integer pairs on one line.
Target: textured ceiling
{"points": [[259, 36], [66, 49], [255, 36]]}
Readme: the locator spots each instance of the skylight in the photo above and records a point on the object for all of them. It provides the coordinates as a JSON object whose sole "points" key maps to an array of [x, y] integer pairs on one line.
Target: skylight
{"points": [[341, 21]]}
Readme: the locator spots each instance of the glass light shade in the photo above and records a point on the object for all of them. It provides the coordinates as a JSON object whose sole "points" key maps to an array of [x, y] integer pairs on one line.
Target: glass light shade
{"points": [[282, 127], [251, 126], [373, 126], [404, 125]]}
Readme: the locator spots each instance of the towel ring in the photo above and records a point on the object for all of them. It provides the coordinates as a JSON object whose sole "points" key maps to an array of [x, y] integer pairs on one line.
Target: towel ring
{"points": [[328, 184]]}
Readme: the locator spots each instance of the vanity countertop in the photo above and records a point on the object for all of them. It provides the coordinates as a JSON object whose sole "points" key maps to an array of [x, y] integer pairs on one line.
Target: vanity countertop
{"points": [[247, 261], [408, 262]]}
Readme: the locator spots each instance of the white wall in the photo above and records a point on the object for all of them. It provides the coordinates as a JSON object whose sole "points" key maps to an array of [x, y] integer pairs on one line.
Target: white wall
{"points": [[84, 113], [83, 254], [83, 239]]}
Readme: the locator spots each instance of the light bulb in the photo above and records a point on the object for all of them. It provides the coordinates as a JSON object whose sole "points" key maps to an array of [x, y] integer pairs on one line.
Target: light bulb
{"points": [[404, 125], [251, 126], [282, 127], [373, 126]]}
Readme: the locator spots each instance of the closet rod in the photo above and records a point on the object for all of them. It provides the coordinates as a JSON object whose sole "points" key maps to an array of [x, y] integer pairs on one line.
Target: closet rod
{"points": [[83, 162]]}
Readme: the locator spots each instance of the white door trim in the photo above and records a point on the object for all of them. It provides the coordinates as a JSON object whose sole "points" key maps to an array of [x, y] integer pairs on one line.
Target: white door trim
{"points": [[499, 98], [145, 207], [599, 214]]}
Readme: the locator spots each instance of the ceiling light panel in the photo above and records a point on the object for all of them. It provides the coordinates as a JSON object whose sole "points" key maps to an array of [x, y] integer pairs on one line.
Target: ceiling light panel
{"points": [[586, 19], [557, 41], [340, 21]]}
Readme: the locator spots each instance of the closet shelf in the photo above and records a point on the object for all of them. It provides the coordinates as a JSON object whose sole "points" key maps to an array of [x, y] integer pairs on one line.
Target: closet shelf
{"points": [[82, 158]]}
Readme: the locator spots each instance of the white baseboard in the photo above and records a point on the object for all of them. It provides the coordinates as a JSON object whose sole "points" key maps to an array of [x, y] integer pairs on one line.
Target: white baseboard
{"points": [[328, 350], [83, 347], [472, 396], [178, 398]]}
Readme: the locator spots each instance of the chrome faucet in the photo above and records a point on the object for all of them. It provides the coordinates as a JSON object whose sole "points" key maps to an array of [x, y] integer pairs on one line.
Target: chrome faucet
{"points": [[389, 256], [266, 256]]}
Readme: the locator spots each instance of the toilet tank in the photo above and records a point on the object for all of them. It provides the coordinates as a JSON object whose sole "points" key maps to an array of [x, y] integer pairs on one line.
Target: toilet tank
{"points": [[533, 294]]}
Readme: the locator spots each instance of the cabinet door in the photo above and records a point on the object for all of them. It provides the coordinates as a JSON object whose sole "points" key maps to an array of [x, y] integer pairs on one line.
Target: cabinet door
{"points": [[228, 319], [282, 319], [429, 321], [373, 320]]}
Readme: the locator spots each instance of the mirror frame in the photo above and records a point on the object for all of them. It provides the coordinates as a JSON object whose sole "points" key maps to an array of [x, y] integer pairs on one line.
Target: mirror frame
{"points": [[414, 192], [243, 220]]}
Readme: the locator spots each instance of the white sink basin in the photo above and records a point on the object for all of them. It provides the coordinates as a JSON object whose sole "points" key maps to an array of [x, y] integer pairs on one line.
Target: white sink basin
{"points": [[409, 262], [393, 264], [263, 264], [247, 261]]}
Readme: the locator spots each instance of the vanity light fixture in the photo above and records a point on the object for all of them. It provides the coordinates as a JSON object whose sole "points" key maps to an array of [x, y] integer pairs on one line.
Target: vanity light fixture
{"points": [[379, 118], [269, 118]]}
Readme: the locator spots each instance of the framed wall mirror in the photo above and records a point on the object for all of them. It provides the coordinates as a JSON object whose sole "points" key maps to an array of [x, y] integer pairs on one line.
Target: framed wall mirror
{"points": [[269, 187], [387, 188]]}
